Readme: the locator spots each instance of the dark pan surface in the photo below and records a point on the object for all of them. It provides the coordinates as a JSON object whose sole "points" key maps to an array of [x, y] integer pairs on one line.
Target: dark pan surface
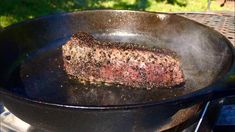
{"points": [[35, 67]]}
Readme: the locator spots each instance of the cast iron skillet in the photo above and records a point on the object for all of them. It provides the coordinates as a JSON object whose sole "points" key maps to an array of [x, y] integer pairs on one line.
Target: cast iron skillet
{"points": [[36, 89]]}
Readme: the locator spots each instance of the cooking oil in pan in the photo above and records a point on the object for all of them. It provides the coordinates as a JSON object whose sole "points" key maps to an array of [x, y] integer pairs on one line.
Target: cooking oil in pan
{"points": [[45, 79]]}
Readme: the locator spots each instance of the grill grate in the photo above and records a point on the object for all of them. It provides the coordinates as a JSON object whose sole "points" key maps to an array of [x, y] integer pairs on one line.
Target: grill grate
{"points": [[222, 22]]}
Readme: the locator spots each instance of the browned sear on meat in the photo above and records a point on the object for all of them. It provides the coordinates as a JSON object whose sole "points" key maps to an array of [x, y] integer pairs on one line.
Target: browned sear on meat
{"points": [[90, 60]]}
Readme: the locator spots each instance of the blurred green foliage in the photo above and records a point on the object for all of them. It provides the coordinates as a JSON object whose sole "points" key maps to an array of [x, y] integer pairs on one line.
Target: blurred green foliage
{"points": [[12, 11]]}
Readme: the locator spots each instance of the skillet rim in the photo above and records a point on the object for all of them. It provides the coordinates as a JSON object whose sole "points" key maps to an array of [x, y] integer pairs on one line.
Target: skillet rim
{"points": [[206, 92]]}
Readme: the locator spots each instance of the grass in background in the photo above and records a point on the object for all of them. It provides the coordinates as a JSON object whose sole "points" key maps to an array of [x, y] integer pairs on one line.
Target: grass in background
{"points": [[12, 11]]}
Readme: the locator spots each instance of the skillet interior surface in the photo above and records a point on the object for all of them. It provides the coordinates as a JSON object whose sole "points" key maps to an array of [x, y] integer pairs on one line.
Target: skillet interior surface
{"points": [[33, 67]]}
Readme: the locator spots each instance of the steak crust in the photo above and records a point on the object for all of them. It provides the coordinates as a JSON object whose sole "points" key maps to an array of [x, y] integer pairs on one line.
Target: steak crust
{"points": [[90, 60]]}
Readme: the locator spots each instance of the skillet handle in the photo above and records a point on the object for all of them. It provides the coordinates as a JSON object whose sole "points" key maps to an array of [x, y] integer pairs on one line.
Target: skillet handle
{"points": [[227, 87], [220, 89]]}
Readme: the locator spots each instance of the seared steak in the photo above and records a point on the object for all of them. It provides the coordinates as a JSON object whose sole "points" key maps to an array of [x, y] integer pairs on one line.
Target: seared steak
{"points": [[90, 60]]}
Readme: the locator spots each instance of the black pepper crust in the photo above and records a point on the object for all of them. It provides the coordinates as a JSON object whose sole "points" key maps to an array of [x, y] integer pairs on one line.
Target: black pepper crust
{"points": [[90, 60], [87, 38]]}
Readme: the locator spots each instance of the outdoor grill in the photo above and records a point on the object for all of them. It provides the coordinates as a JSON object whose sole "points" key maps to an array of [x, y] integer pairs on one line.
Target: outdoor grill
{"points": [[204, 120]]}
